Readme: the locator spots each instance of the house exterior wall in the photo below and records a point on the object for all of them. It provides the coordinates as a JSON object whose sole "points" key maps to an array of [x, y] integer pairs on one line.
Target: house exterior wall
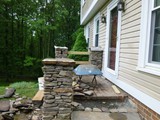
{"points": [[128, 73], [129, 50]]}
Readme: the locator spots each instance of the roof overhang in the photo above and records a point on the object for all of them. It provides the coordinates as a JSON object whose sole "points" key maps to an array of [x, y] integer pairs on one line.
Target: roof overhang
{"points": [[95, 6]]}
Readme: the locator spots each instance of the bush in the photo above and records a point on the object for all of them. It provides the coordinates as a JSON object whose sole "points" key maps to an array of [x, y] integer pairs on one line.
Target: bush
{"points": [[79, 45], [75, 34]]}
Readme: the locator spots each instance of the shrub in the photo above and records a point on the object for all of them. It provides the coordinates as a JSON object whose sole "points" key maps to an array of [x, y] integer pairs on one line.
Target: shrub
{"points": [[79, 45]]}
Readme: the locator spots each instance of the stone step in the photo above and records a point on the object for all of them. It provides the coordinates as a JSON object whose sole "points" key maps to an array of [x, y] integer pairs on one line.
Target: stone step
{"points": [[83, 115], [106, 106]]}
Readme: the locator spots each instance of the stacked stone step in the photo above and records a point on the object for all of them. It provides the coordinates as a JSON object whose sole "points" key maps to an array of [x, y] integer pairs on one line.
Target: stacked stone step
{"points": [[57, 88]]}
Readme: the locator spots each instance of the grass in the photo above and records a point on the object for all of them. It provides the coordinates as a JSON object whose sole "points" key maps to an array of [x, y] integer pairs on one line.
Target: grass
{"points": [[26, 88]]}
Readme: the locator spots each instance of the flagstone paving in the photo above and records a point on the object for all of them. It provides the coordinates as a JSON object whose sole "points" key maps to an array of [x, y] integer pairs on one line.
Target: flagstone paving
{"points": [[83, 115]]}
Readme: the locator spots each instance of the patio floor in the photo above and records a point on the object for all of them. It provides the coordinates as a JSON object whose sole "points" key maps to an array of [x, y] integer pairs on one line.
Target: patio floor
{"points": [[104, 89]]}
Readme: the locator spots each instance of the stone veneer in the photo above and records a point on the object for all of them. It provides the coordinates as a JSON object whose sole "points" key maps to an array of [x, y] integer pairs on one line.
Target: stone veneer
{"points": [[96, 56], [61, 52], [57, 88]]}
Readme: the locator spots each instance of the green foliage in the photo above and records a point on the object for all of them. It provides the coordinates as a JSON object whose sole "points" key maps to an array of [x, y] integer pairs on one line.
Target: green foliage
{"points": [[24, 88], [79, 45], [29, 30], [75, 34], [24, 84], [2, 90], [29, 61], [32, 64]]}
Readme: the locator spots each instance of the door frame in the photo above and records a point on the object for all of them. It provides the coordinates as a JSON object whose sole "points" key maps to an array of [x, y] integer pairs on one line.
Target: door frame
{"points": [[107, 72]]}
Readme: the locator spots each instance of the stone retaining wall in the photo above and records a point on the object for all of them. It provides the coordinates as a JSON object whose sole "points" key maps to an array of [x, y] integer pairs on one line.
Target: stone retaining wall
{"points": [[57, 89]]}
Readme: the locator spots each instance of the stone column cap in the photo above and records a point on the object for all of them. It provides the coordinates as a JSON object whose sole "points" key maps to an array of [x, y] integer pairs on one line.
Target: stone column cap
{"points": [[96, 49], [56, 47], [59, 61]]}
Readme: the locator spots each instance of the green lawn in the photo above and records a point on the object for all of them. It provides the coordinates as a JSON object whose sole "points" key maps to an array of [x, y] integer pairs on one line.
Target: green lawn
{"points": [[26, 88]]}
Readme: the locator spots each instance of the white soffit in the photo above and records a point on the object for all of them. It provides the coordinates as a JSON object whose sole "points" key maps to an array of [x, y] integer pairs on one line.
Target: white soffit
{"points": [[95, 6]]}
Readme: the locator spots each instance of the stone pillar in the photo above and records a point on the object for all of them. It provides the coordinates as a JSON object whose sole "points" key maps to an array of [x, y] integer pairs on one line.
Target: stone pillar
{"points": [[57, 88], [61, 52], [96, 57]]}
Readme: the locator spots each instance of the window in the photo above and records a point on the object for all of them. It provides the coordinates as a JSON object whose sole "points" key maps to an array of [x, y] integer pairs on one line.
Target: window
{"points": [[155, 33], [149, 54], [96, 35]]}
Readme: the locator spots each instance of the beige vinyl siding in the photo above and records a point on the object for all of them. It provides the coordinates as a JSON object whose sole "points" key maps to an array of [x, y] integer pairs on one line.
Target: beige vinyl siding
{"points": [[102, 30], [91, 34], [102, 36], [129, 50], [130, 40]]}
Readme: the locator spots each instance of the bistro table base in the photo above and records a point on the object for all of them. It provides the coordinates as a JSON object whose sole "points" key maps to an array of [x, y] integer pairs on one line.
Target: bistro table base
{"points": [[94, 80], [88, 70]]}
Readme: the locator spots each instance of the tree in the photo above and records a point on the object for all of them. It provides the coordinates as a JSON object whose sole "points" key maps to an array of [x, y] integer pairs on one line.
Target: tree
{"points": [[30, 29]]}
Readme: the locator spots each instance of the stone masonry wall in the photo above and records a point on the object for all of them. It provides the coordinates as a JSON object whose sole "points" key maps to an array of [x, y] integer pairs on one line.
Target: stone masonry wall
{"points": [[61, 52], [96, 56], [57, 89]]}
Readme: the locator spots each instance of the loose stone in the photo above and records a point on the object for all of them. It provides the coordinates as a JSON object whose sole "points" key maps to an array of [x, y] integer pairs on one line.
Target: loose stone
{"points": [[87, 109], [96, 110]]}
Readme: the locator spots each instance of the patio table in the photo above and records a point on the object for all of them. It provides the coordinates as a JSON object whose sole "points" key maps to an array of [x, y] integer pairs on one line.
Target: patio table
{"points": [[88, 69]]}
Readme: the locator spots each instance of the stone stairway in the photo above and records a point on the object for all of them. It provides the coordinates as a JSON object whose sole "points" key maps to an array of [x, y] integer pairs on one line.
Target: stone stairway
{"points": [[81, 115], [103, 104], [102, 97], [105, 110]]}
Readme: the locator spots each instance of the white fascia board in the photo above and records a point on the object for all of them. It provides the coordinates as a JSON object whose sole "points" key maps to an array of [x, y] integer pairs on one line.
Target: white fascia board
{"points": [[139, 95], [95, 6]]}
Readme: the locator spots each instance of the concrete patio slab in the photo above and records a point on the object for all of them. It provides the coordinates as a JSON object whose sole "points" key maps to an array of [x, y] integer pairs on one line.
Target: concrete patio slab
{"points": [[82, 115]]}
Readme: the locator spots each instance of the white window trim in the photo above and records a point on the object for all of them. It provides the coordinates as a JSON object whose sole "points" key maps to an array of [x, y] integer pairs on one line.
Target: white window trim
{"points": [[86, 33], [97, 17], [83, 2], [143, 64]]}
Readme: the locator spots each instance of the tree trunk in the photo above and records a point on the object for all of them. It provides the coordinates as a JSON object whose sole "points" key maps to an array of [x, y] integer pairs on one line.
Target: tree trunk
{"points": [[6, 54]]}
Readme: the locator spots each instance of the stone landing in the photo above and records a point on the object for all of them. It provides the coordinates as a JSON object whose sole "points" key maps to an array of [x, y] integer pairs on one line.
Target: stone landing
{"points": [[80, 115]]}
